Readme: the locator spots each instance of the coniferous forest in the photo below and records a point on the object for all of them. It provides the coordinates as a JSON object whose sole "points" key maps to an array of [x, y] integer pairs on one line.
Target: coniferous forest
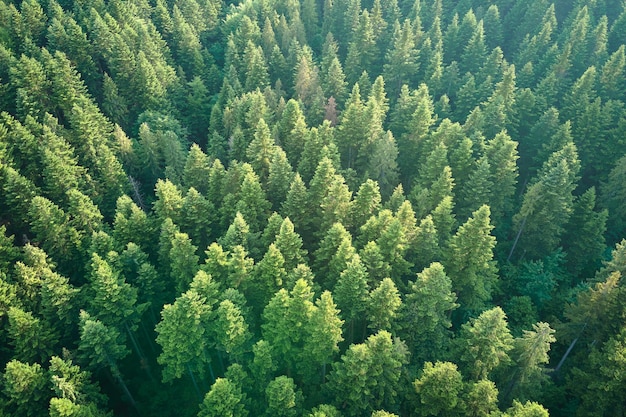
{"points": [[339, 208]]}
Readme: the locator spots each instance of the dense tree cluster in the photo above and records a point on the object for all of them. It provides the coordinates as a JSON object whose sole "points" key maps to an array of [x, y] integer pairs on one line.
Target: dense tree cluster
{"points": [[312, 208]]}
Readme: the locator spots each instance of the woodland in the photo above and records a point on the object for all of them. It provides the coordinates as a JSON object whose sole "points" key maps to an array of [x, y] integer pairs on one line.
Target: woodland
{"points": [[337, 208]]}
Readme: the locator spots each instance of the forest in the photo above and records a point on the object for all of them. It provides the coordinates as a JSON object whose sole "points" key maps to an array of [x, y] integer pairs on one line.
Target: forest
{"points": [[337, 208]]}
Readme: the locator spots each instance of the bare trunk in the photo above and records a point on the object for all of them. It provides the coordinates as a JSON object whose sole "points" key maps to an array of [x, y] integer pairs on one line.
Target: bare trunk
{"points": [[519, 233], [195, 383]]}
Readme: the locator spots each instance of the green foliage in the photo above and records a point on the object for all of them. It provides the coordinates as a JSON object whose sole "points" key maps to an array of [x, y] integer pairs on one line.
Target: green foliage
{"points": [[485, 342], [283, 398], [424, 315], [469, 260], [439, 389], [224, 399], [382, 306], [186, 320], [368, 376], [238, 165], [26, 388]]}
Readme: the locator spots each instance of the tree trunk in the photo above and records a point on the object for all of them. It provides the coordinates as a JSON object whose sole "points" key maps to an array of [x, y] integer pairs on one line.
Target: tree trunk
{"points": [[118, 376], [195, 383], [519, 233]]}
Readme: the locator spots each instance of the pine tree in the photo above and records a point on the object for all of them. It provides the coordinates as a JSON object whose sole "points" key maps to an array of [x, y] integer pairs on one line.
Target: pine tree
{"points": [[362, 48], [307, 87], [368, 375], [296, 206], [352, 292], [383, 305], [231, 330], [547, 204], [401, 60], [584, 237], [197, 169], [252, 203], [334, 81], [260, 151], [324, 335], [336, 205], [183, 261], [31, 338], [366, 203], [256, 71], [26, 387], [131, 224], [502, 156], [425, 313], [419, 125], [469, 261], [435, 400], [197, 217], [484, 343], [289, 243], [382, 166], [475, 50], [268, 277], [187, 319], [280, 177], [113, 301], [529, 353], [224, 398], [374, 261], [283, 397], [353, 128], [100, 347]]}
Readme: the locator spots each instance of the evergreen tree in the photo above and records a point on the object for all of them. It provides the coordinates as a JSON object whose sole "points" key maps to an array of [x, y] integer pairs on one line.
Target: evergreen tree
{"points": [[260, 151], [485, 342], [187, 319], [231, 330], [584, 237], [469, 261], [26, 388], [30, 338], [324, 335], [280, 177], [425, 313], [366, 203], [529, 353], [283, 397], [289, 243], [383, 305], [296, 206], [401, 60], [368, 376], [352, 293], [382, 166], [183, 261], [224, 399], [502, 156], [419, 123], [613, 196], [547, 204], [100, 347], [307, 87], [434, 398]]}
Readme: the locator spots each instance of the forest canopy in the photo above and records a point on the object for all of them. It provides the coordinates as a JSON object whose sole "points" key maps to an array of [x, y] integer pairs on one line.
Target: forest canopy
{"points": [[312, 208]]}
